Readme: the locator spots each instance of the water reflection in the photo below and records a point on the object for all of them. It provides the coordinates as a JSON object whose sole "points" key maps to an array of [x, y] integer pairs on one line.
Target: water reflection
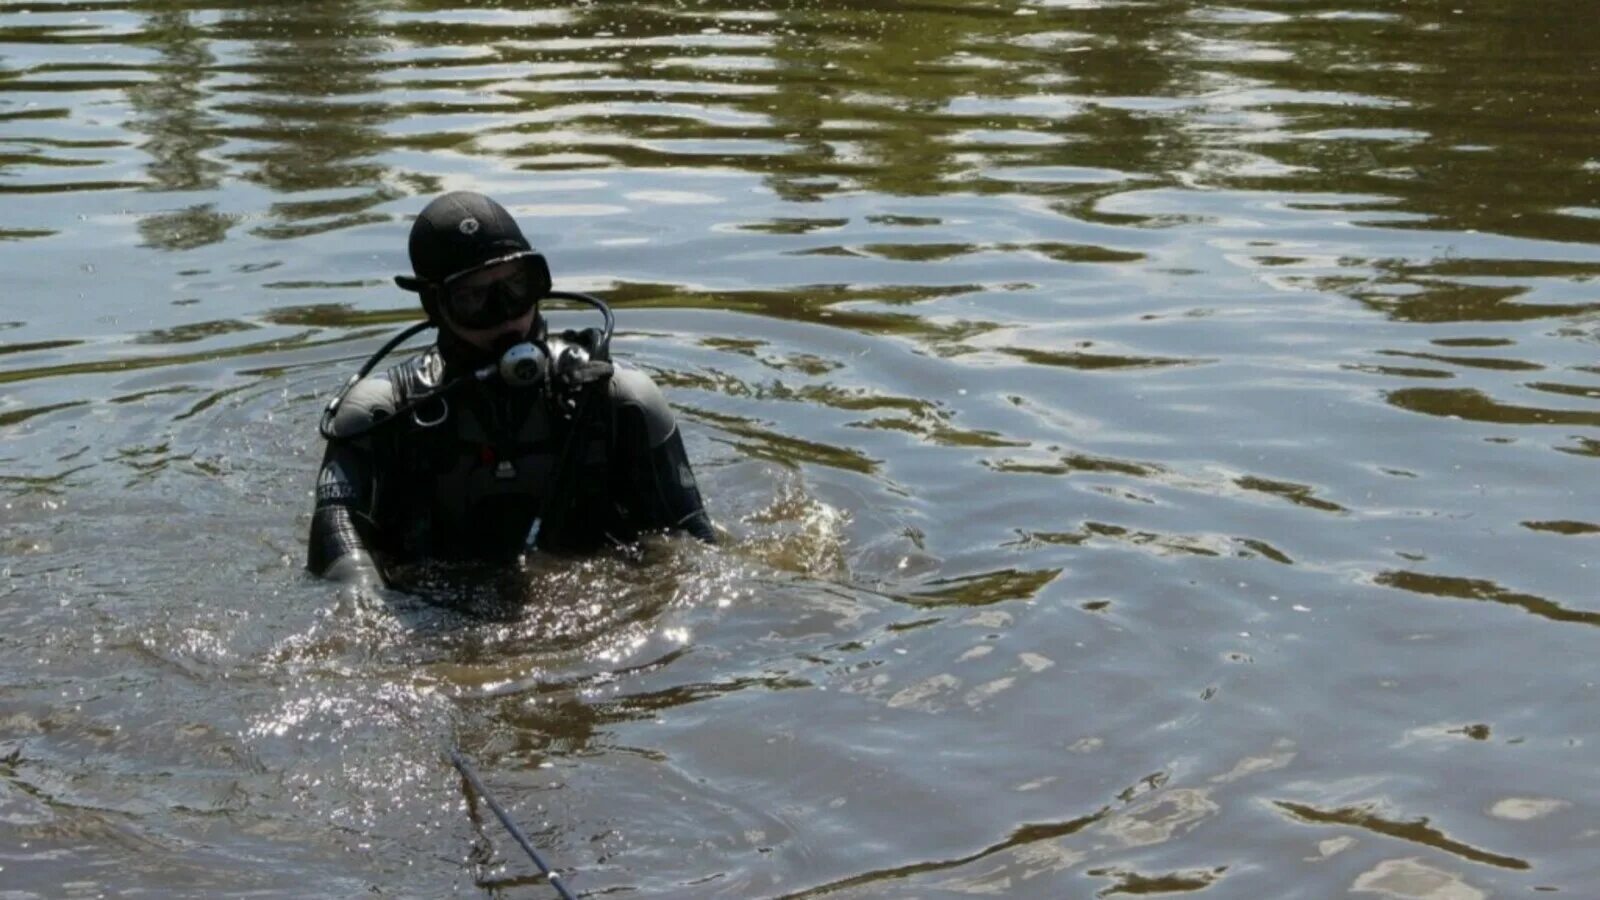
{"points": [[1093, 394], [903, 105], [1418, 831], [1468, 403], [1455, 88], [315, 91], [171, 110], [1484, 590]]}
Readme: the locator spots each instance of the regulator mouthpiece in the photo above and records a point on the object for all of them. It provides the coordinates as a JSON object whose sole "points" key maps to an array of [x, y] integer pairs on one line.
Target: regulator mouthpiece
{"points": [[523, 365]]}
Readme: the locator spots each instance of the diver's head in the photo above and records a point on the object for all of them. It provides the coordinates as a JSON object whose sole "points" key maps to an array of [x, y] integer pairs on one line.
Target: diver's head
{"points": [[479, 278]]}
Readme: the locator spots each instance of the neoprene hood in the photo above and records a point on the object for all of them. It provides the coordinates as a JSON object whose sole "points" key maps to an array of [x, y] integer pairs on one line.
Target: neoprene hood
{"points": [[460, 230]]}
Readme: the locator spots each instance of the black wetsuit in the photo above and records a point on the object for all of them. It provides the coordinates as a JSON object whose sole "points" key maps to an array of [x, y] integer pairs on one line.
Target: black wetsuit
{"points": [[484, 470]]}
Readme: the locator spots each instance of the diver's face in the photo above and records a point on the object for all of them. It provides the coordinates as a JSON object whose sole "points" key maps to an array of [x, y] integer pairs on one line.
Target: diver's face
{"points": [[495, 338], [492, 306]]}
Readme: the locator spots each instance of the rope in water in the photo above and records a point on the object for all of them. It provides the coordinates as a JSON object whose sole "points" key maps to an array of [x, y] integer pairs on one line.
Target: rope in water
{"points": [[471, 775]]}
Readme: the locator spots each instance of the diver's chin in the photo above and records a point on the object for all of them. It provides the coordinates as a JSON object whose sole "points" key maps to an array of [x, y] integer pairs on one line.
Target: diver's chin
{"points": [[480, 349], [505, 341]]}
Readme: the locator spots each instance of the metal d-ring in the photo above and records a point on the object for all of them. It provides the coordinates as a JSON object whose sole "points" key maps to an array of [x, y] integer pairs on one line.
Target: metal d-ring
{"points": [[416, 414]]}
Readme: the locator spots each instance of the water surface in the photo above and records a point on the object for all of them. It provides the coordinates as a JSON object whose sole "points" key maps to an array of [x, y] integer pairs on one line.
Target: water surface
{"points": [[1156, 444]]}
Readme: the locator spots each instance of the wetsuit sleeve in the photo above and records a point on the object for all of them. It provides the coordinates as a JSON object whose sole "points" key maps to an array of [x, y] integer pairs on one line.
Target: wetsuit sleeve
{"points": [[339, 547], [659, 487], [342, 532]]}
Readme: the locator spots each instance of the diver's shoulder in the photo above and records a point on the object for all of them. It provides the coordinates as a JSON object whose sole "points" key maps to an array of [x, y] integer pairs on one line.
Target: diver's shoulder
{"points": [[634, 389], [368, 402], [635, 386], [377, 397]]}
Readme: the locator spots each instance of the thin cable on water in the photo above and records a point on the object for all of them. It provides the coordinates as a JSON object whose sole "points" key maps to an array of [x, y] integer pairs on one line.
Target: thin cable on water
{"points": [[471, 775]]}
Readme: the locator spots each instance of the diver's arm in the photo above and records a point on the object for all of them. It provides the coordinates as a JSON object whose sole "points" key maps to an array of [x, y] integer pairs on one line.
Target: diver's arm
{"points": [[342, 531], [338, 549], [679, 495], [662, 491]]}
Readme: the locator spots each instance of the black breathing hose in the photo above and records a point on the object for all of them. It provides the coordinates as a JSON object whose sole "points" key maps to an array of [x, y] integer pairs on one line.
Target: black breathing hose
{"points": [[325, 426], [605, 311]]}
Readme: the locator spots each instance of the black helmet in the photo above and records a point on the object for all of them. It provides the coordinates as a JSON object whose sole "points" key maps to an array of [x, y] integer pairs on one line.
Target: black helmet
{"points": [[458, 231], [455, 233]]}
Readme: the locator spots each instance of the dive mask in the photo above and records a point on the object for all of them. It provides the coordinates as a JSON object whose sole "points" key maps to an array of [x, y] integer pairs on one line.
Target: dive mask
{"points": [[490, 293]]}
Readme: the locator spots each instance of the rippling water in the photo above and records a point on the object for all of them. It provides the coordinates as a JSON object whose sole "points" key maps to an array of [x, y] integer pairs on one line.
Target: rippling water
{"points": [[1157, 444]]}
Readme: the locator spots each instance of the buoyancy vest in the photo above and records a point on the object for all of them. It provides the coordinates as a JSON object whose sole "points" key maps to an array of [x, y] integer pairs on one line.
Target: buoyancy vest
{"points": [[466, 476]]}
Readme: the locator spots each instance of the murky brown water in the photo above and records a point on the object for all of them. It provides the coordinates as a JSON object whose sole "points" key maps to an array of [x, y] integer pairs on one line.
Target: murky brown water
{"points": [[1158, 444]]}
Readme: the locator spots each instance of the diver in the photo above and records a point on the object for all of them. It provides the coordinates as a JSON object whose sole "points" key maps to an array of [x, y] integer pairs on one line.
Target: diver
{"points": [[501, 437]]}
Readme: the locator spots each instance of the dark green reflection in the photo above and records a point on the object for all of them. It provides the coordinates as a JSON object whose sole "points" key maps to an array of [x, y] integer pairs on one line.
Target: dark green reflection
{"points": [[757, 441], [1437, 300], [194, 331], [984, 589], [1472, 362], [1081, 462], [1564, 527], [18, 416], [23, 234], [896, 101], [1172, 883], [1486, 591], [1298, 494], [1468, 115], [130, 364], [1094, 361], [1157, 543], [1467, 403], [834, 305], [35, 346], [317, 102], [171, 111], [1026, 834], [1467, 120], [1417, 831]]}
